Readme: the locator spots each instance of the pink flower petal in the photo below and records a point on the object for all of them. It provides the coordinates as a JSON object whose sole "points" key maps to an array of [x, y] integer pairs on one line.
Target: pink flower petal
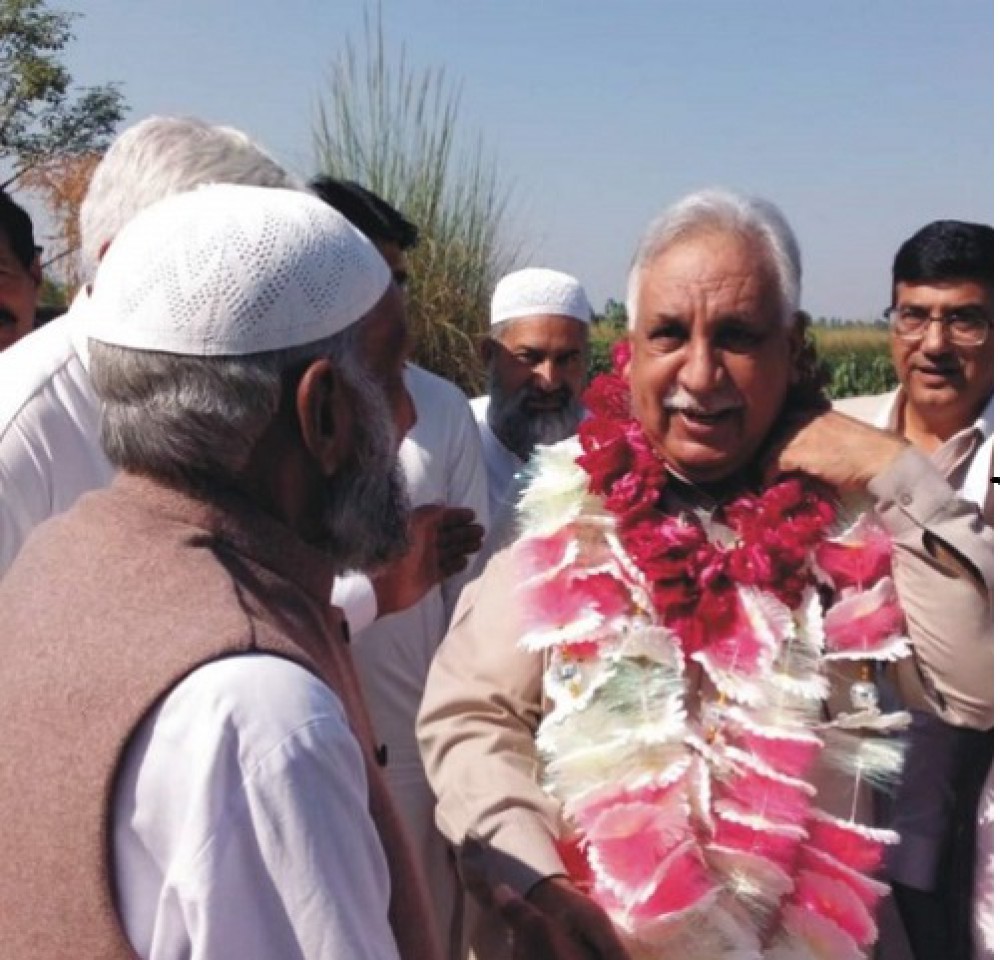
{"points": [[537, 555], [791, 755], [670, 794], [629, 842], [744, 637], [868, 890], [555, 603], [779, 846], [853, 844], [836, 901], [823, 938], [680, 883], [862, 557], [756, 795], [862, 621]]}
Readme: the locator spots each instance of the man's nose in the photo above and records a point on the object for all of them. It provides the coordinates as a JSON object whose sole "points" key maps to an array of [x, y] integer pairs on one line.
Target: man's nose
{"points": [[935, 339], [699, 373], [548, 376]]}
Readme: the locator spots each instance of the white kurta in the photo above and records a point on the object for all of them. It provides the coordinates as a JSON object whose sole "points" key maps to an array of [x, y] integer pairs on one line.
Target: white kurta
{"points": [[502, 464], [241, 823], [50, 451], [441, 460]]}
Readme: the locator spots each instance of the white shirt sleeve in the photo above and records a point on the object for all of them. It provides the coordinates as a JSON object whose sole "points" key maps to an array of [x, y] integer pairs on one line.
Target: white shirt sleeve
{"points": [[354, 594], [241, 823], [467, 487]]}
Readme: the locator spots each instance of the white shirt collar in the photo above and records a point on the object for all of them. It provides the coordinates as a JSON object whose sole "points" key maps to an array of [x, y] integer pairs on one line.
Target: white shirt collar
{"points": [[78, 329]]}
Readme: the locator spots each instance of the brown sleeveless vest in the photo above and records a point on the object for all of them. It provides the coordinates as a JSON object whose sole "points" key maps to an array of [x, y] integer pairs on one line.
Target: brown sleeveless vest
{"points": [[106, 609]]}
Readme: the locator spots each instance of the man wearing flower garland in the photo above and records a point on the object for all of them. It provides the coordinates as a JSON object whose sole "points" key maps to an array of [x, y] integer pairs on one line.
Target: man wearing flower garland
{"points": [[658, 750], [941, 338], [536, 364]]}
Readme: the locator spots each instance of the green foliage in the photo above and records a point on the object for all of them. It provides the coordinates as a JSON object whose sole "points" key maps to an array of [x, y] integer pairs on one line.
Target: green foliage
{"points": [[39, 115], [603, 336], [614, 315], [394, 129], [856, 360]]}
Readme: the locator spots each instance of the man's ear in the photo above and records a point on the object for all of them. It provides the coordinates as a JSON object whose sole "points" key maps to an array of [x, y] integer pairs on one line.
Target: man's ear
{"points": [[627, 369], [487, 350], [325, 415], [35, 270], [797, 339]]}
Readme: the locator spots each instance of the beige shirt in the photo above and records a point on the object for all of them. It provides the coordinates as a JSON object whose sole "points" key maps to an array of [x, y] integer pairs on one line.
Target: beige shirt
{"points": [[483, 701], [965, 459]]}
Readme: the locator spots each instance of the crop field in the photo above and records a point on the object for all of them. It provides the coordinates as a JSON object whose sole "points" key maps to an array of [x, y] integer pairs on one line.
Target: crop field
{"points": [[856, 359]]}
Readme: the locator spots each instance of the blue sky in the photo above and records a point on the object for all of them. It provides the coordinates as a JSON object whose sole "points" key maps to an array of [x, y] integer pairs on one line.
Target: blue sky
{"points": [[861, 119]]}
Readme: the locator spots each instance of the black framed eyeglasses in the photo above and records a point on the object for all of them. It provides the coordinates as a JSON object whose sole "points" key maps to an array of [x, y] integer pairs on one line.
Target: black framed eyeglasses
{"points": [[963, 326]]}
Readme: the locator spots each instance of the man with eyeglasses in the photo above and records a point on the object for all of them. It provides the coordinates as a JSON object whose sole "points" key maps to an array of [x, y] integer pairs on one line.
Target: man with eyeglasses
{"points": [[941, 339]]}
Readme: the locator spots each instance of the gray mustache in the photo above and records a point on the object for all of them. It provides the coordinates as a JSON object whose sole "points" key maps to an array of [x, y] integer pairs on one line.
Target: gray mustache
{"points": [[672, 407]]}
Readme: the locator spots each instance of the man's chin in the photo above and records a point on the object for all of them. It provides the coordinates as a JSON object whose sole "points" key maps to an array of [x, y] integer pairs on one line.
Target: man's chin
{"points": [[934, 388], [699, 464]]}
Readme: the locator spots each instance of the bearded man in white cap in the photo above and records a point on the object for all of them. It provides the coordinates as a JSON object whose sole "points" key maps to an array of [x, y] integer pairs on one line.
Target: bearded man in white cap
{"points": [[189, 769], [536, 362]]}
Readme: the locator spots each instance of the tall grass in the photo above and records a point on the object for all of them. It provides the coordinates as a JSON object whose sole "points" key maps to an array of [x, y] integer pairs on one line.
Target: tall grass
{"points": [[394, 128]]}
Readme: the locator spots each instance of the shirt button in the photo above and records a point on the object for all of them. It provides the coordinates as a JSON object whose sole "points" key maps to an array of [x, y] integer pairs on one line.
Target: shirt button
{"points": [[905, 499]]}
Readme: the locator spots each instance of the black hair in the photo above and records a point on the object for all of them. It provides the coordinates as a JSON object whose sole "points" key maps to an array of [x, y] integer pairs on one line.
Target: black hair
{"points": [[375, 218], [945, 250], [17, 226]]}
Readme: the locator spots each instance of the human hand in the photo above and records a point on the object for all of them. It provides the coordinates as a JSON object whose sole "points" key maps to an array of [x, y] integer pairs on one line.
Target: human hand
{"points": [[564, 921], [440, 540], [555, 921], [458, 538], [832, 447]]}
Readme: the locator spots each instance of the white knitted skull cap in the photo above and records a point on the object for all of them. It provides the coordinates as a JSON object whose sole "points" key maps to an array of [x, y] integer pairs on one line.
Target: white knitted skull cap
{"points": [[537, 291], [227, 270]]}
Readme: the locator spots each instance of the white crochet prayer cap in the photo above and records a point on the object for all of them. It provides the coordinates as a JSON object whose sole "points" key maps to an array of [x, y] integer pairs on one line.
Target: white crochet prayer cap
{"points": [[536, 292], [228, 270]]}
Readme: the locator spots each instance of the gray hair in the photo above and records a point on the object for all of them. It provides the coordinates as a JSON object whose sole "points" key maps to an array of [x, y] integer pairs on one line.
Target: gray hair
{"points": [[723, 210], [161, 156], [194, 421]]}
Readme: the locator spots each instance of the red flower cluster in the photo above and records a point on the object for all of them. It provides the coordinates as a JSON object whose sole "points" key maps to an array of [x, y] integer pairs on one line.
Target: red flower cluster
{"points": [[778, 530], [693, 581]]}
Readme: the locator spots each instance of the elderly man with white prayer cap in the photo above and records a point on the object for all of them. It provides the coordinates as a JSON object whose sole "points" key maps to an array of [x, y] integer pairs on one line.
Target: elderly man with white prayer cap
{"points": [[536, 361], [188, 766]]}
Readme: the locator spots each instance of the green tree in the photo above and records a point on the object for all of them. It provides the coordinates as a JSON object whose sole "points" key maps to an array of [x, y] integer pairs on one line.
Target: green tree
{"points": [[614, 314], [41, 114], [394, 128]]}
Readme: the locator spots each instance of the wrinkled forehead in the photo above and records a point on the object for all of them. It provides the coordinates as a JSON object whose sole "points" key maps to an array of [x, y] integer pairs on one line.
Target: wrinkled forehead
{"points": [[722, 270], [542, 331]]}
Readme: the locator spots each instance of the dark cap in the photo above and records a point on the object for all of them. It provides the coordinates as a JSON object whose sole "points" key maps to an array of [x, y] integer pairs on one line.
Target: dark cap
{"points": [[16, 224]]}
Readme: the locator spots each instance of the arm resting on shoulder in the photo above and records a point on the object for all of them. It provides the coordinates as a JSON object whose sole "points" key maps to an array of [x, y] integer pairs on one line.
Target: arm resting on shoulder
{"points": [[943, 568]]}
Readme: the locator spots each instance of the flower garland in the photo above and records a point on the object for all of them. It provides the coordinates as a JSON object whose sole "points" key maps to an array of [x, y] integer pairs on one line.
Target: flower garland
{"points": [[699, 830]]}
